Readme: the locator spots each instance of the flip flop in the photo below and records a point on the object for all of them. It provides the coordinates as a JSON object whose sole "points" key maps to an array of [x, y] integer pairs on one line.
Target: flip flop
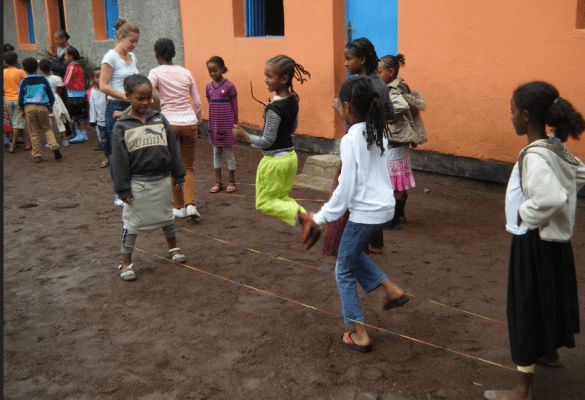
{"points": [[549, 363], [216, 188], [347, 341], [399, 302], [231, 187]]}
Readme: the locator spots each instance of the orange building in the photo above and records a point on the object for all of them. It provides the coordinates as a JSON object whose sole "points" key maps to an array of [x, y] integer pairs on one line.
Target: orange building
{"points": [[465, 57]]}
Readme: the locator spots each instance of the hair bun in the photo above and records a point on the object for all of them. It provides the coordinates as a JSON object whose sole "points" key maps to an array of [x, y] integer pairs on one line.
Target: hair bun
{"points": [[120, 22]]}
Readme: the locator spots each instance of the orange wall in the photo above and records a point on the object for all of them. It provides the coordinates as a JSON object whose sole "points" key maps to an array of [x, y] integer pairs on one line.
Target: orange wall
{"points": [[466, 58], [313, 37]]}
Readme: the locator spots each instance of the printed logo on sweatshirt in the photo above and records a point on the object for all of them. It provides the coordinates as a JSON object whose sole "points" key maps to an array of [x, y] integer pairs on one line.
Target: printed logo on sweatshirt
{"points": [[145, 136]]}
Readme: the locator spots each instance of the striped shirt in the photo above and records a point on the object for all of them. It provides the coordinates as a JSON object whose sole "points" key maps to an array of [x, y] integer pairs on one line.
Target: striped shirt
{"points": [[223, 112], [271, 124]]}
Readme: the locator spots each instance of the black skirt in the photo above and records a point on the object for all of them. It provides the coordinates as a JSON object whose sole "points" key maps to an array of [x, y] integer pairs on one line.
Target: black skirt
{"points": [[543, 308]]}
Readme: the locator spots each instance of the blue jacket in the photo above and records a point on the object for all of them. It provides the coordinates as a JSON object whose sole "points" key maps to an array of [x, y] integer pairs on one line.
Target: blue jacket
{"points": [[35, 89]]}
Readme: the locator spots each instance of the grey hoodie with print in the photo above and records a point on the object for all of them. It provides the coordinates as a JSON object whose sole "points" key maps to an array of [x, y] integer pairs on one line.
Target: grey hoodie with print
{"points": [[144, 150]]}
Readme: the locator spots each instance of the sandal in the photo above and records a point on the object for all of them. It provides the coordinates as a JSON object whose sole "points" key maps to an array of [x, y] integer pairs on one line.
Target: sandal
{"points": [[104, 164], [399, 302], [129, 274], [348, 342], [231, 187], [216, 188], [176, 256]]}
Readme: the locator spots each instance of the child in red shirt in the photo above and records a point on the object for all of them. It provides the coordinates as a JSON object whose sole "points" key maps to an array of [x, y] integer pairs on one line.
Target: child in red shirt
{"points": [[75, 86]]}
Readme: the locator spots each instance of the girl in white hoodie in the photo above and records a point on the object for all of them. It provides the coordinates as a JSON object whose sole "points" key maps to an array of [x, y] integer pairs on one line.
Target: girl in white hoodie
{"points": [[365, 190], [541, 198]]}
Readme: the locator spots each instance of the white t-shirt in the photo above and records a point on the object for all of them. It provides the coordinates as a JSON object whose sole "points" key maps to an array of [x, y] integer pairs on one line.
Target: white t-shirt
{"points": [[120, 69], [55, 81]]}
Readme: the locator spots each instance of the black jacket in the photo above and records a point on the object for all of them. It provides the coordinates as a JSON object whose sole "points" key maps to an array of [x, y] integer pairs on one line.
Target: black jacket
{"points": [[148, 149]]}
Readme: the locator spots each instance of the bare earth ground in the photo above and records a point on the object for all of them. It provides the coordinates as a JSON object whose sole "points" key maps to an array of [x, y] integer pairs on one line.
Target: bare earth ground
{"points": [[74, 330]]}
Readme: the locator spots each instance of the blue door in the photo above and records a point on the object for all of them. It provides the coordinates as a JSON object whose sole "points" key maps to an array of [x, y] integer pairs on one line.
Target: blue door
{"points": [[376, 20]]}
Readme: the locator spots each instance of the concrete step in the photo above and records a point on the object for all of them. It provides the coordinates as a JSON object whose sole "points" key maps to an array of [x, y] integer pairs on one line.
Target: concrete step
{"points": [[318, 172]]}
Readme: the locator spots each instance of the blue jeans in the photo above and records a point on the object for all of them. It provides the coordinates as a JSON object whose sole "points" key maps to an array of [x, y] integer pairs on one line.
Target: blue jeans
{"points": [[353, 266], [111, 106]]}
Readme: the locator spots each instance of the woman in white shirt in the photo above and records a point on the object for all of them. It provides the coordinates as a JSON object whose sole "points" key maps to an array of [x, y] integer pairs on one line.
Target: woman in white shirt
{"points": [[117, 64], [541, 198]]}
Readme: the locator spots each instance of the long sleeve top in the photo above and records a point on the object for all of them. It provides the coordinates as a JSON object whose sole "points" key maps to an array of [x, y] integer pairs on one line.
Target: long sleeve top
{"points": [[144, 150], [35, 89], [550, 178], [280, 122], [364, 183]]}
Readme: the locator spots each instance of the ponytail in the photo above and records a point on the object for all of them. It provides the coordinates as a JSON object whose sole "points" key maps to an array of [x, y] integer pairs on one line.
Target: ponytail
{"points": [[544, 106], [368, 107]]}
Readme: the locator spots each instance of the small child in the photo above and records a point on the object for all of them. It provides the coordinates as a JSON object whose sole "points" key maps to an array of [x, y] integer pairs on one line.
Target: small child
{"points": [[278, 168], [60, 115], [12, 77], [365, 189], [144, 158], [36, 99], [541, 199], [97, 111], [75, 85], [406, 128], [223, 115]]}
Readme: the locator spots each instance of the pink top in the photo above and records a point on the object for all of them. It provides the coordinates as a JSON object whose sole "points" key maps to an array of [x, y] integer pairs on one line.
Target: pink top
{"points": [[177, 88]]}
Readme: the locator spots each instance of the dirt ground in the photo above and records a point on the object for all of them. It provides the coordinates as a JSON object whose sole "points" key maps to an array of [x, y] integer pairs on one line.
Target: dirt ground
{"points": [[74, 330]]}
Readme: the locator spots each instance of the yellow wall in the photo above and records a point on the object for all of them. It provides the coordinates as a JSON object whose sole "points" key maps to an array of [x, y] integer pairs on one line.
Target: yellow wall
{"points": [[312, 29], [467, 56]]}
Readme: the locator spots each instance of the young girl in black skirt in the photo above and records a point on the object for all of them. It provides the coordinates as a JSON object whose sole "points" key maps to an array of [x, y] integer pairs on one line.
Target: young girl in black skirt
{"points": [[541, 198]]}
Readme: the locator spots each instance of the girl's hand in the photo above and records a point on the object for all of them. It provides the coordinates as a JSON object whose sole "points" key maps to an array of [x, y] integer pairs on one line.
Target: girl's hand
{"points": [[240, 133], [117, 114], [127, 199]]}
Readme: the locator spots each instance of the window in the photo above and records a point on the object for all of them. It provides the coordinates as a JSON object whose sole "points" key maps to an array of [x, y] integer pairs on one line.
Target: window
{"points": [[25, 28], [580, 24], [264, 18], [55, 10], [105, 14]]}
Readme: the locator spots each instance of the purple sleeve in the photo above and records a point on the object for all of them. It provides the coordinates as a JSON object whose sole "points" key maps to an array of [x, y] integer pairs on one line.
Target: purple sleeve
{"points": [[235, 103]]}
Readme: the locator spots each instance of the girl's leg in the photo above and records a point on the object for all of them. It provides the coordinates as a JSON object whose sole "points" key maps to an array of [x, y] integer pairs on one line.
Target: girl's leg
{"points": [[126, 250], [354, 238], [370, 277], [522, 390], [217, 152], [231, 162], [274, 180], [174, 251]]}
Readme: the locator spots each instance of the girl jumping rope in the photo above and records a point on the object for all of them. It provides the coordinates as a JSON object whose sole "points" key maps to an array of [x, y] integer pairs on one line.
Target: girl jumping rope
{"points": [[406, 129], [145, 157], [541, 198], [223, 114], [365, 190], [278, 168]]}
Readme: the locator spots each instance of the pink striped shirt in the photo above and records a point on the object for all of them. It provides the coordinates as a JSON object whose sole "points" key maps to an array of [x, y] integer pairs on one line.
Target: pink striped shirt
{"points": [[176, 88]]}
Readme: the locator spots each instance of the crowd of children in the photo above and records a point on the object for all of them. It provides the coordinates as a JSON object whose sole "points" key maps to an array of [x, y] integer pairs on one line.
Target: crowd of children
{"points": [[151, 156]]}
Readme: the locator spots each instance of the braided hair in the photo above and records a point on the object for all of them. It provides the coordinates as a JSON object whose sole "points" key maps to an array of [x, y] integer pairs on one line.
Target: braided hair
{"points": [[133, 81], [165, 49], [393, 62], [362, 47], [219, 61], [544, 106], [286, 66], [366, 105]]}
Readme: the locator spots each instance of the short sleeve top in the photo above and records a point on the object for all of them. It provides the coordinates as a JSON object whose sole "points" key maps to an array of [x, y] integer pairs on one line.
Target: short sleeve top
{"points": [[120, 69]]}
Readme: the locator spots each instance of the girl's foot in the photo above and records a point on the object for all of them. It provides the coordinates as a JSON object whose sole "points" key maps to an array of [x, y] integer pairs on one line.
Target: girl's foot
{"points": [[396, 302], [355, 342], [231, 187], [505, 395], [127, 272], [176, 255], [311, 231], [216, 188]]}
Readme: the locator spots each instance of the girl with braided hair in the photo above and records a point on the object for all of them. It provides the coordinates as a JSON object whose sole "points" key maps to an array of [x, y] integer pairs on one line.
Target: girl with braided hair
{"points": [[541, 198], [278, 168]]}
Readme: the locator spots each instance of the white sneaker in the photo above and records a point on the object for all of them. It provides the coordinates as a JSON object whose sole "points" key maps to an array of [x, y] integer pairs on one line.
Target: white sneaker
{"points": [[192, 211], [179, 212], [119, 203]]}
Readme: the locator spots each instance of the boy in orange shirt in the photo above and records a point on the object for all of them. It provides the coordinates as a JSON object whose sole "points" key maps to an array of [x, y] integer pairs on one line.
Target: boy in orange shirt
{"points": [[12, 77]]}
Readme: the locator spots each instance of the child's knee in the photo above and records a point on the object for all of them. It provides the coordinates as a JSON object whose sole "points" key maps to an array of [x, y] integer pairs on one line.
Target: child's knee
{"points": [[170, 231], [128, 242]]}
